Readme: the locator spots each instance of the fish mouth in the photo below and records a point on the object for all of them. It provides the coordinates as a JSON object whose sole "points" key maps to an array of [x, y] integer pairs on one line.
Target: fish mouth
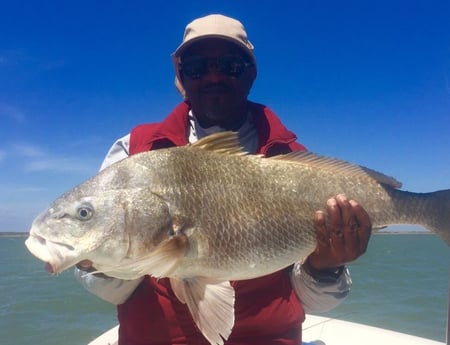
{"points": [[57, 256]]}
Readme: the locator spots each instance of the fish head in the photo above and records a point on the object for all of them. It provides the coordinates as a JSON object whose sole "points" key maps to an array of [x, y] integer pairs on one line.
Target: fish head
{"points": [[107, 220], [75, 226], [107, 228]]}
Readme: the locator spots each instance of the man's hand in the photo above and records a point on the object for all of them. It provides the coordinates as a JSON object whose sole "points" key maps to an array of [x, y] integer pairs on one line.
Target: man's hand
{"points": [[343, 238], [87, 266]]}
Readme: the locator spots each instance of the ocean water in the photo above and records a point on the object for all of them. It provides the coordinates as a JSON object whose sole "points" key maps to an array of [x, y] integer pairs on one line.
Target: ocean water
{"points": [[402, 283]]}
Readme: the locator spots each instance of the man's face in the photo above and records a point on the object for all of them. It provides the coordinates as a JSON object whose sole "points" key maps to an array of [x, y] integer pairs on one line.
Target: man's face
{"points": [[217, 97]]}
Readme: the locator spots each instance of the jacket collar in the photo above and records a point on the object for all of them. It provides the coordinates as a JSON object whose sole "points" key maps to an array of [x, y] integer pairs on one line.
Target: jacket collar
{"points": [[268, 126]]}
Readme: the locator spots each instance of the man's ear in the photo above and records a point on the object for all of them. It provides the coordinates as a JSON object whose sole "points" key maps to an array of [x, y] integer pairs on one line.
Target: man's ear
{"points": [[253, 72], [179, 86], [251, 75]]}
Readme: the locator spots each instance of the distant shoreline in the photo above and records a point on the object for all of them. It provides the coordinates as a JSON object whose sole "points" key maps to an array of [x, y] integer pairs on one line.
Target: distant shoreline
{"points": [[13, 234], [403, 233]]}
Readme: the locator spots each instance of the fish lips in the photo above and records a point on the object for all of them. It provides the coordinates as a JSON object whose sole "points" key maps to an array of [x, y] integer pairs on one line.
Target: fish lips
{"points": [[56, 255]]}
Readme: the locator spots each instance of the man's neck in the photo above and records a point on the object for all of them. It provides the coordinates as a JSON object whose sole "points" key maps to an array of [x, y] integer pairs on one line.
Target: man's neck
{"points": [[246, 131], [230, 118]]}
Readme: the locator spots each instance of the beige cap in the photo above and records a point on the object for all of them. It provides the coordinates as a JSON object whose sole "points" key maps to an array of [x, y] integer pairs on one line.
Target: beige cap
{"points": [[214, 25]]}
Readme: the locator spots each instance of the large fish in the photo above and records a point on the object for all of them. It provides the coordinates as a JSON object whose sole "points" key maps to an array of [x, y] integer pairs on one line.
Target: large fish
{"points": [[207, 213]]}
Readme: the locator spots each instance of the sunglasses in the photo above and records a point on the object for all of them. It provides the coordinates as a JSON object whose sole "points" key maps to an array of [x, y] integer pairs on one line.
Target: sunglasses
{"points": [[196, 67]]}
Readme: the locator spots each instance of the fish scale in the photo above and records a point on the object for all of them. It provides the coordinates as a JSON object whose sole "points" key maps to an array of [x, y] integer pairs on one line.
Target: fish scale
{"points": [[207, 213]]}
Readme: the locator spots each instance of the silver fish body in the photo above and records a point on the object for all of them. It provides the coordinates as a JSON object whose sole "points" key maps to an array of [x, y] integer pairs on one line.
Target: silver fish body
{"points": [[208, 213]]}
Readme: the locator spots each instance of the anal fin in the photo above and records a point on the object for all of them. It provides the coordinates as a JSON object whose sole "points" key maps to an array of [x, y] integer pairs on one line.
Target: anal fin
{"points": [[211, 304]]}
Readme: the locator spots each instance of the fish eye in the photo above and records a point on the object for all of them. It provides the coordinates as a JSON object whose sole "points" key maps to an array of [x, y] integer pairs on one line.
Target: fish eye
{"points": [[85, 212]]}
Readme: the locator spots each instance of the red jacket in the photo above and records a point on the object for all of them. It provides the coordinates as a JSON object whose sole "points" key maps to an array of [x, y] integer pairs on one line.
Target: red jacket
{"points": [[267, 310]]}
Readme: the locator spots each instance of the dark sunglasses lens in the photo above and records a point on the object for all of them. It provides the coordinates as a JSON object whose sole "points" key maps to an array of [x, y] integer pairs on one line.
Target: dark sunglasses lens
{"points": [[194, 67], [231, 65]]}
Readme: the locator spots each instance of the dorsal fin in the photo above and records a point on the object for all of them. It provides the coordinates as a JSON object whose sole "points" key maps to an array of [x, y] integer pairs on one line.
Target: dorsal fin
{"points": [[223, 142], [337, 166], [228, 143]]}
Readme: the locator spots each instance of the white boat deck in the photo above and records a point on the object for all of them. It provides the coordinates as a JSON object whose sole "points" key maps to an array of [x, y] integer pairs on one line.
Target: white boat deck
{"points": [[338, 332], [325, 331]]}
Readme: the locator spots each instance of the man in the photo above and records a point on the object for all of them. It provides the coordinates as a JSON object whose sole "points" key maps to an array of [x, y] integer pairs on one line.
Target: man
{"points": [[215, 68]]}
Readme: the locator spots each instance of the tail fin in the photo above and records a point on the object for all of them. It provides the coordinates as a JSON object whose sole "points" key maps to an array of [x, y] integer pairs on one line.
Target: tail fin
{"points": [[439, 221]]}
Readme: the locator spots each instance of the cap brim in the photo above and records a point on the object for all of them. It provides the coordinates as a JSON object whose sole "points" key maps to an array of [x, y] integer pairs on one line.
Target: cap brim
{"points": [[185, 45]]}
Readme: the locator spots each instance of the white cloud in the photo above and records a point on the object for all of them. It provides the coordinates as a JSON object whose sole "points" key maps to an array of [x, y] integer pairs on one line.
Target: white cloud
{"points": [[36, 159], [12, 190], [34, 176], [19, 216], [12, 112], [57, 164], [29, 189], [29, 151]]}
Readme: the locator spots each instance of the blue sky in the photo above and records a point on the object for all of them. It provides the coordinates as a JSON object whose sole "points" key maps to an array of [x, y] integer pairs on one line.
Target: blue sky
{"points": [[365, 81]]}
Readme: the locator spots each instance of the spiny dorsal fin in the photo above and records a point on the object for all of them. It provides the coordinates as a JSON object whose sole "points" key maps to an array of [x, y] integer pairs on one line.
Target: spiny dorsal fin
{"points": [[224, 142], [337, 166], [228, 143]]}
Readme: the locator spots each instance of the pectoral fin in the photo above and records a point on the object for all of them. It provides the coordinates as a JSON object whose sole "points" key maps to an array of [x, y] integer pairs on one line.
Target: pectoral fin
{"points": [[211, 304], [161, 262]]}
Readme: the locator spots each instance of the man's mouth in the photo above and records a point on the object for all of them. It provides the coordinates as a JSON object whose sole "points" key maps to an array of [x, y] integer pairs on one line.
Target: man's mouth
{"points": [[213, 89]]}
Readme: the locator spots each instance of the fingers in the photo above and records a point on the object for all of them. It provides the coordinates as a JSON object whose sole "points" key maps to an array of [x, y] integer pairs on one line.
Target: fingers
{"points": [[336, 230], [346, 234], [85, 265], [322, 233], [356, 227], [364, 228]]}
